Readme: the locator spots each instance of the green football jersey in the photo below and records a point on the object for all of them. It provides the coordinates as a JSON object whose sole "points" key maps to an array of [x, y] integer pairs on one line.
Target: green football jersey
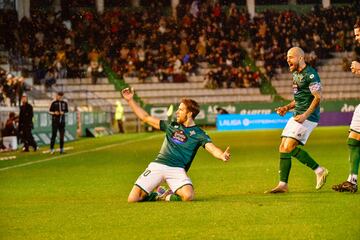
{"points": [[180, 144], [304, 83]]}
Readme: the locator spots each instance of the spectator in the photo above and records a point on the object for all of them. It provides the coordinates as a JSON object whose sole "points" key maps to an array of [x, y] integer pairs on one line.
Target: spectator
{"points": [[50, 78], [26, 124], [94, 71], [10, 89], [221, 110], [10, 132], [21, 88], [60, 65]]}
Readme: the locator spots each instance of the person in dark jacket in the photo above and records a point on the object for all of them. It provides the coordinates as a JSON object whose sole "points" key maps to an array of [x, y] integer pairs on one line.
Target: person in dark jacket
{"points": [[26, 124], [57, 110]]}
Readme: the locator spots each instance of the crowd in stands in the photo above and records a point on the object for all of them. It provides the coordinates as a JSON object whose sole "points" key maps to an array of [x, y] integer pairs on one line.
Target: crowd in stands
{"points": [[11, 89], [319, 33], [224, 77], [147, 43]]}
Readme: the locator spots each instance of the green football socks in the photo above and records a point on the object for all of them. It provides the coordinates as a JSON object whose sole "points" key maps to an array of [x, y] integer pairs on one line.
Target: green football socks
{"points": [[173, 197], [285, 166], [304, 158], [151, 197], [354, 155]]}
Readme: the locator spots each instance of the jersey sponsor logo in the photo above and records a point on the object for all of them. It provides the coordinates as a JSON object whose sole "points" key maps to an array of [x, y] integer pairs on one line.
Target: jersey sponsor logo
{"points": [[179, 137], [192, 132], [295, 88]]}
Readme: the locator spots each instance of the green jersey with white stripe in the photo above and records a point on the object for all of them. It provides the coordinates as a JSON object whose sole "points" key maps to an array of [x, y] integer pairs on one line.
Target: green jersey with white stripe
{"points": [[304, 83], [180, 144]]}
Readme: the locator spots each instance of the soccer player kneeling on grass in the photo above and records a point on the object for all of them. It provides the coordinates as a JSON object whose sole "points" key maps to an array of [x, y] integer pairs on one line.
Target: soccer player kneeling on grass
{"points": [[354, 136], [182, 140], [307, 95]]}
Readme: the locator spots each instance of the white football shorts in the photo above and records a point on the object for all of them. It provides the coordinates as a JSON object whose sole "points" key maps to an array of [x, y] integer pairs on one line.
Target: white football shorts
{"points": [[156, 173], [298, 131], [355, 121]]}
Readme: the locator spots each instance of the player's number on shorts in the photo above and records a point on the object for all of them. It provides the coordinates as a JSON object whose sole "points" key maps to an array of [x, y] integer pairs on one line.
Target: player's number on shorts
{"points": [[147, 172]]}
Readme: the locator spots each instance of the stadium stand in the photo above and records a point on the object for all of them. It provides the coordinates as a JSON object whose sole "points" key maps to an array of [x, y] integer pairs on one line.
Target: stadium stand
{"points": [[145, 47]]}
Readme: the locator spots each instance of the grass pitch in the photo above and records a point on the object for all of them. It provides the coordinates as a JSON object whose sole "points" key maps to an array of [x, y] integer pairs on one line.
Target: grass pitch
{"points": [[83, 194]]}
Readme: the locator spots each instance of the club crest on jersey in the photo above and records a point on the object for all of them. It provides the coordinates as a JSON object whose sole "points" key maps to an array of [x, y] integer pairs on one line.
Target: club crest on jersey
{"points": [[192, 132], [298, 77], [312, 76], [179, 137]]}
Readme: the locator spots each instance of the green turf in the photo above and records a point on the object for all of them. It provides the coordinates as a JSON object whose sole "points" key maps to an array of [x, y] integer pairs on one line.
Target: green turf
{"points": [[82, 195]]}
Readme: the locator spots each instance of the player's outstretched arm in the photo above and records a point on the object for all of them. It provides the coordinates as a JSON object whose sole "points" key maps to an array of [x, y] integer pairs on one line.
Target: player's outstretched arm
{"points": [[284, 109], [128, 95], [217, 152]]}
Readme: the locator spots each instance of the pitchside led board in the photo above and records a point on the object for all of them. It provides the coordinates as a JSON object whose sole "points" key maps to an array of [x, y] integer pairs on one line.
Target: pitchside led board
{"points": [[227, 122]]}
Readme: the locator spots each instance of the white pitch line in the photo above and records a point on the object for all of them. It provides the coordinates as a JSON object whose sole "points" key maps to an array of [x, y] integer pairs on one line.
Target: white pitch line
{"points": [[7, 158], [76, 153]]}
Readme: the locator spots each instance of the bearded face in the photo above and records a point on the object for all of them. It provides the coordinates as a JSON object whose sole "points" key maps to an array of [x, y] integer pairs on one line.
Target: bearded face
{"points": [[182, 114], [357, 34], [293, 61]]}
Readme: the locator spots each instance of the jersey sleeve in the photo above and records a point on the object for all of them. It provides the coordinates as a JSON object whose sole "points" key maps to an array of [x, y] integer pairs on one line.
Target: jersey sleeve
{"points": [[315, 84], [204, 139]]}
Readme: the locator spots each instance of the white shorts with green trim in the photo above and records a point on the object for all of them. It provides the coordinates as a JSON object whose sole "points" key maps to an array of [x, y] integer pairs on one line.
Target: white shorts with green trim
{"points": [[156, 173], [298, 131], [355, 121]]}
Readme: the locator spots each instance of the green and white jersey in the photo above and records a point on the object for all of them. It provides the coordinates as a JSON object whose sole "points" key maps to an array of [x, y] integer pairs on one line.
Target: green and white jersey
{"points": [[180, 144], [304, 83]]}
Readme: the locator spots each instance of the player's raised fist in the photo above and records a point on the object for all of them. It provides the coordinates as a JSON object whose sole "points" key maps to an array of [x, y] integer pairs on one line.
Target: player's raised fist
{"points": [[281, 110], [127, 93]]}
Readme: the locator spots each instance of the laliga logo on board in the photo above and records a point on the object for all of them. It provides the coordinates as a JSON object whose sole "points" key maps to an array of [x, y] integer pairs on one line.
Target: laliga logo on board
{"points": [[246, 122]]}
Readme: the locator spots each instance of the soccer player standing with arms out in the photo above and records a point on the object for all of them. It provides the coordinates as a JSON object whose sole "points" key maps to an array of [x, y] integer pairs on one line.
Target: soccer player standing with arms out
{"points": [[182, 140], [306, 105], [354, 136]]}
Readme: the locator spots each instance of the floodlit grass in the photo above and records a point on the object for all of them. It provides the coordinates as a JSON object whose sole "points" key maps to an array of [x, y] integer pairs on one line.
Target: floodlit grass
{"points": [[83, 194]]}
